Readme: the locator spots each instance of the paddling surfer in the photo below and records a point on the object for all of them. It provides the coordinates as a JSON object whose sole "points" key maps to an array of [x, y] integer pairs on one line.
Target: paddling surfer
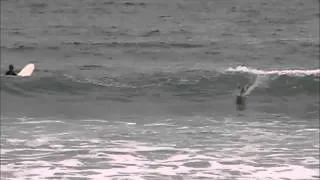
{"points": [[10, 72]]}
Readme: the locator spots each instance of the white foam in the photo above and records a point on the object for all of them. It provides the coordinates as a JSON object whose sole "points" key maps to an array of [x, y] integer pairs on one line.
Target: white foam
{"points": [[310, 161], [182, 128], [96, 120], [158, 124], [135, 167], [259, 80], [56, 146], [15, 141], [67, 156], [70, 163], [289, 72], [41, 122], [38, 142], [291, 172], [262, 75]]}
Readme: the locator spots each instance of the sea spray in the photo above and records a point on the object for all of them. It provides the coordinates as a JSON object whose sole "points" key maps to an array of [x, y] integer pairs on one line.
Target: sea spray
{"points": [[260, 80]]}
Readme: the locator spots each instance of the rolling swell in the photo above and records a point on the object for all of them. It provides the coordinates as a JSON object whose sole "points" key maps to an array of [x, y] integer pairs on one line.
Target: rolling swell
{"points": [[57, 85], [192, 83]]}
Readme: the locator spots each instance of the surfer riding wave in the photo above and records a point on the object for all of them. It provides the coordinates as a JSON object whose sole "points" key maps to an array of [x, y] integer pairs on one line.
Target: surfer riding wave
{"points": [[240, 97]]}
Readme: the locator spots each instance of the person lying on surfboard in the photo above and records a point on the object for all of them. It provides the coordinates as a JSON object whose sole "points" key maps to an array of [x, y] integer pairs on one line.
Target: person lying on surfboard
{"points": [[10, 72]]}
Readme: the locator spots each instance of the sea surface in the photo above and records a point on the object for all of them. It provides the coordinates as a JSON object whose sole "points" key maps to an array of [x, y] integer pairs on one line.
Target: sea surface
{"points": [[144, 90]]}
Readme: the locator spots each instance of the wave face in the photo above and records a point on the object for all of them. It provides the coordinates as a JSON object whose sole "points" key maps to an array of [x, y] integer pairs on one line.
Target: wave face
{"points": [[191, 83]]}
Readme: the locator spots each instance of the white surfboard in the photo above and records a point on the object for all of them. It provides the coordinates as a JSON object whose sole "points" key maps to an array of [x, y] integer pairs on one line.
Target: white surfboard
{"points": [[27, 70]]}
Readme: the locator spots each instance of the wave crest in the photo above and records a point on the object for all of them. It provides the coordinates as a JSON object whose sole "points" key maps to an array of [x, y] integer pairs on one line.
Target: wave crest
{"points": [[288, 72]]}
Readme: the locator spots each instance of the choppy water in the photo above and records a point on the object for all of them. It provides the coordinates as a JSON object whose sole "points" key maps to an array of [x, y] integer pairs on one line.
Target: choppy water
{"points": [[145, 90]]}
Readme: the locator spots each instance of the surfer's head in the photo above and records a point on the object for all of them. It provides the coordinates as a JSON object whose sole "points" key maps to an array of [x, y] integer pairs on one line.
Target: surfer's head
{"points": [[11, 67]]}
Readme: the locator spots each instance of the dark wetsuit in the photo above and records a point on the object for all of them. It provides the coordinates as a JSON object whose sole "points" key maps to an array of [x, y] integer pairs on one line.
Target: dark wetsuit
{"points": [[11, 73], [240, 100]]}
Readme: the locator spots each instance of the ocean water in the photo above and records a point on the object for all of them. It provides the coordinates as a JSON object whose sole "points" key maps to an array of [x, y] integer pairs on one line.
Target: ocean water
{"points": [[144, 90]]}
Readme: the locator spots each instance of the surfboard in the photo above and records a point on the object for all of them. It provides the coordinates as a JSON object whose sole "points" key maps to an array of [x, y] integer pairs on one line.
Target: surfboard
{"points": [[27, 70]]}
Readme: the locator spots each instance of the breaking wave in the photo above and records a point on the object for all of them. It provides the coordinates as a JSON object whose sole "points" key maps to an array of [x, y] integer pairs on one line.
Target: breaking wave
{"points": [[193, 82]]}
